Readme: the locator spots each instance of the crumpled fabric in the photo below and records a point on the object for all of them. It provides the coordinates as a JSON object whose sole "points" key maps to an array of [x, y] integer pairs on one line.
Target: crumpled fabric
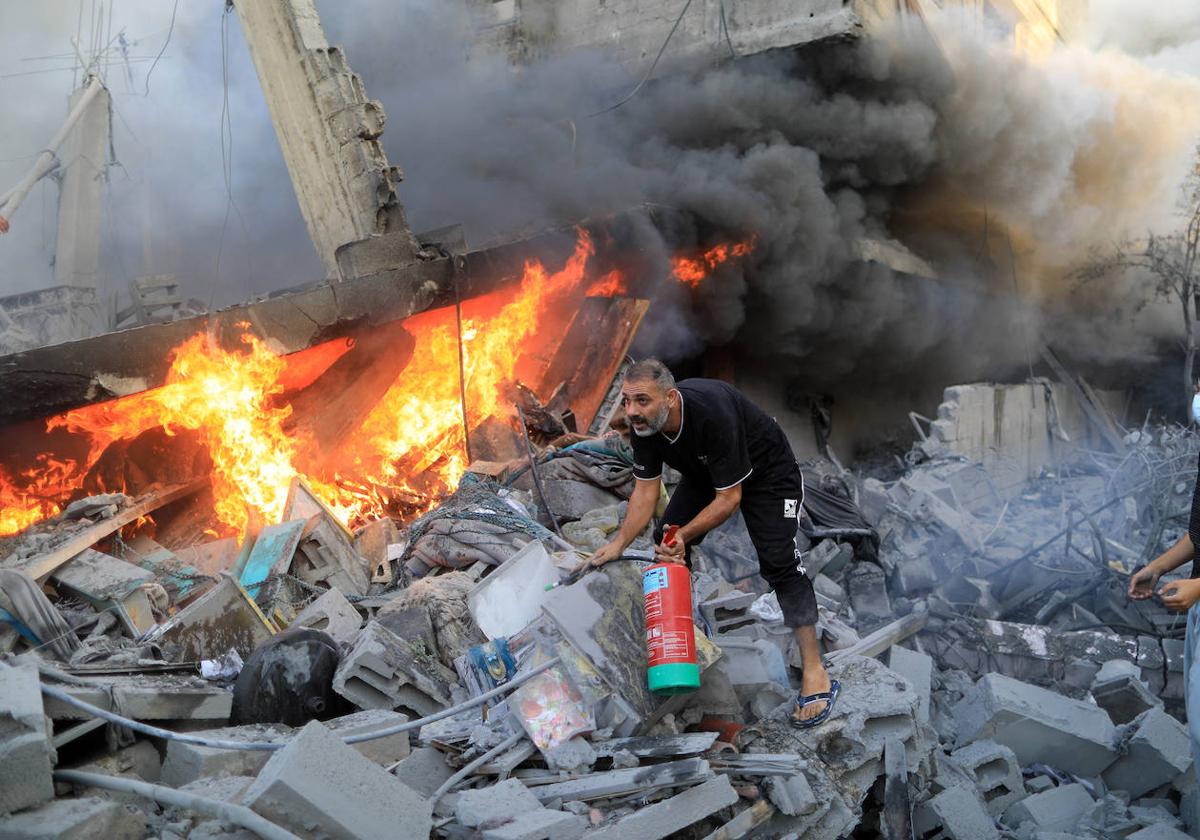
{"points": [[594, 462], [24, 600]]}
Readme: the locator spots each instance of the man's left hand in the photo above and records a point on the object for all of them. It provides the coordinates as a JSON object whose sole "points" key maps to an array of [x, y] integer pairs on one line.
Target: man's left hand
{"points": [[1180, 595], [672, 553]]}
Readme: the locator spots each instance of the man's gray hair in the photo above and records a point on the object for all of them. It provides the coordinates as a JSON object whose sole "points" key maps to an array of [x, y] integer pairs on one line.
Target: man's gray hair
{"points": [[651, 370]]}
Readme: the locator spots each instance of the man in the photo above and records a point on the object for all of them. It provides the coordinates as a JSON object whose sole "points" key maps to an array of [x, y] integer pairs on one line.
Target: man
{"points": [[731, 454], [1181, 596]]}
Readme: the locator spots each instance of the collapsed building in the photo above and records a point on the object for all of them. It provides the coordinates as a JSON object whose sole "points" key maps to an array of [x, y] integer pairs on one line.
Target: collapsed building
{"points": [[309, 565]]}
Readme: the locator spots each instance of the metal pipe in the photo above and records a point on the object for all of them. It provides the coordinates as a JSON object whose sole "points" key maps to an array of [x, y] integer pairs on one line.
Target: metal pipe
{"points": [[229, 812], [47, 159], [537, 481], [508, 742]]}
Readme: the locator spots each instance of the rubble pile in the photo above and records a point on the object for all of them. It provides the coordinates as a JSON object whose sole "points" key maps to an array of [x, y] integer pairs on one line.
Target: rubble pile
{"points": [[467, 675]]}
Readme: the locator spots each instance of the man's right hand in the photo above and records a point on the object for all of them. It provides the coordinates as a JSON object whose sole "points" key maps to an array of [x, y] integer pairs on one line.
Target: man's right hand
{"points": [[1143, 581], [606, 552], [3, 225]]}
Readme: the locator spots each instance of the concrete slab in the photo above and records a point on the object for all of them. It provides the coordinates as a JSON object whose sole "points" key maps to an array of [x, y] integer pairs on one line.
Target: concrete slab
{"points": [[224, 617], [792, 795], [26, 755], [146, 697], [917, 668], [333, 614], [1058, 809], [1159, 832], [671, 815], [185, 763], [318, 785], [1038, 725], [542, 824], [1154, 750], [496, 803], [76, 819], [383, 751]]}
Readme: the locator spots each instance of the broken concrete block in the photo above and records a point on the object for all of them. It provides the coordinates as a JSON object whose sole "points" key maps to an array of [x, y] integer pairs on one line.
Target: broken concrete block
{"points": [[917, 668], [333, 614], [381, 671], [542, 824], [1161, 831], [867, 586], [955, 813], [425, 770], [671, 815], [570, 499], [1155, 748], [384, 751], [223, 788], [501, 802], [1057, 809], [1039, 726], [318, 785], [996, 771], [76, 819], [26, 755], [792, 795], [751, 663], [1124, 697], [186, 763]]}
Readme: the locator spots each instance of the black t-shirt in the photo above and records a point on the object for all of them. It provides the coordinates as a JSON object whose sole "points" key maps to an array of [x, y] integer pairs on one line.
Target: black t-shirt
{"points": [[1194, 525], [723, 440]]}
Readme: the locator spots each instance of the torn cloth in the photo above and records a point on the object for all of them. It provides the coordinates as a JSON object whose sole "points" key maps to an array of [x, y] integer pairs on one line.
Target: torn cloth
{"points": [[23, 598], [829, 510]]}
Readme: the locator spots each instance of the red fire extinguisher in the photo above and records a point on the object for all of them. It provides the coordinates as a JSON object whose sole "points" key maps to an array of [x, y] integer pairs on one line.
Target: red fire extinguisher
{"points": [[670, 631]]}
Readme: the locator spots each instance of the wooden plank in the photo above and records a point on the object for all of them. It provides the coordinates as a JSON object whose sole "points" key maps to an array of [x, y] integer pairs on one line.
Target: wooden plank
{"points": [[39, 568], [745, 822], [897, 806], [883, 638], [1095, 413], [593, 352]]}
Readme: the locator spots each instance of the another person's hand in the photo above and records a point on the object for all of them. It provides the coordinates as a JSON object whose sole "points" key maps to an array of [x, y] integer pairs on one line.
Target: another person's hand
{"points": [[673, 553], [608, 551], [3, 225], [1180, 595], [1142, 583]]}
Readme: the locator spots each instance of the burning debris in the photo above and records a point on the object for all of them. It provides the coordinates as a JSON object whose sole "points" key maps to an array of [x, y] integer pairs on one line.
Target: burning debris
{"points": [[456, 672]]}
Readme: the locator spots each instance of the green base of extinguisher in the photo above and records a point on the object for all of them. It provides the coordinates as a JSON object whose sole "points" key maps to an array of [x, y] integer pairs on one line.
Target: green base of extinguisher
{"points": [[674, 678]]}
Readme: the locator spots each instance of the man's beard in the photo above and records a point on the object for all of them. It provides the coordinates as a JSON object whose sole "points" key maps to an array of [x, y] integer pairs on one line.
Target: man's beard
{"points": [[654, 426]]}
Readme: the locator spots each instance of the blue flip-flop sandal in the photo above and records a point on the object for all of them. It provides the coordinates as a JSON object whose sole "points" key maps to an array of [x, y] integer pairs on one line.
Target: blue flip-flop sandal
{"points": [[830, 697]]}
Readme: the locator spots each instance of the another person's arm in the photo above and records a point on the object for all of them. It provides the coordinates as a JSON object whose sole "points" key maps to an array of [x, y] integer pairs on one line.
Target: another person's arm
{"points": [[1178, 595], [3, 225], [642, 503]]}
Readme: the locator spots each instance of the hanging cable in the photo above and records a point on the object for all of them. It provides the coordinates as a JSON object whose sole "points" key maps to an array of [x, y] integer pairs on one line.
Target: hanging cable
{"points": [[653, 64], [170, 29]]}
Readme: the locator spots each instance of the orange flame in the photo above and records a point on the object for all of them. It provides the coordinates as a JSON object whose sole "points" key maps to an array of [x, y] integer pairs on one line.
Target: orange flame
{"points": [[692, 270], [409, 450]]}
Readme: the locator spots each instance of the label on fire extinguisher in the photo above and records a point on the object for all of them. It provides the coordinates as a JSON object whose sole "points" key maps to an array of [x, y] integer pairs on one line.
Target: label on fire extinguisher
{"points": [[666, 645]]}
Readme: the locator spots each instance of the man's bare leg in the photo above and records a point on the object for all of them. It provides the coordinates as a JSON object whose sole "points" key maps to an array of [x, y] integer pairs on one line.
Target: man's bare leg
{"points": [[816, 678]]}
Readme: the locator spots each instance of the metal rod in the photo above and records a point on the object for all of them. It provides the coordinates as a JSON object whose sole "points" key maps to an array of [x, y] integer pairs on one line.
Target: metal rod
{"points": [[537, 479], [456, 266], [510, 741]]}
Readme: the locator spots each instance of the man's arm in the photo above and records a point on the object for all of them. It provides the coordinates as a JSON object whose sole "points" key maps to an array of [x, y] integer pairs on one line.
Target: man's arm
{"points": [[642, 503], [723, 505], [1142, 582]]}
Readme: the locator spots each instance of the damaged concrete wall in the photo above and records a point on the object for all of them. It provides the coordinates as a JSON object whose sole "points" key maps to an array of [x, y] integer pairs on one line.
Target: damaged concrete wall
{"points": [[634, 30]]}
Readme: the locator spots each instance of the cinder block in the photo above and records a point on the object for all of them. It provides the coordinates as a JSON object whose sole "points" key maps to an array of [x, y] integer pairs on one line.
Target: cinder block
{"points": [[955, 813], [917, 668], [504, 801], [424, 771], [542, 824], [26, 755], [381, 672], [1058, 809], [1154, 750], [383, 751], [1039, 726], [997, 774], [76, 819], [1124, 697], [332, 614], [318, 785]]}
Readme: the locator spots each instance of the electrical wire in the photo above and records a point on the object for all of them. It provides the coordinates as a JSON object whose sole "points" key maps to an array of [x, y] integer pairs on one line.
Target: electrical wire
{"points": [[650, 72], [448, 785], [230, 812], [170, 30], [270, 746]]}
